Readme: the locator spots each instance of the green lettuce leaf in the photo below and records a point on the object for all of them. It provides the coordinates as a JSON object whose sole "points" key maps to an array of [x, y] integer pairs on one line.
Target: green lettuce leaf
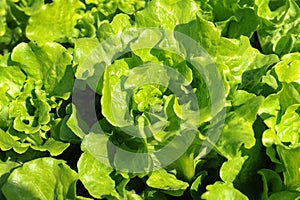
{"points": [[288, 69], [238, 130], [287, 128], [271, 182], [5, 169], [291, 173], [95, 176], [221, 190], [76, 124], [282, 118], [54, 147], [87, 24], [166, 14], [230, 17], [62, 23], [231, 168], [108, 7], [119, 23], [10, 88], [30, 120], [233, 57], [44, 178], [3, 19], [285, 195], [279, 26], [26, 116], [30, 7], [167, 183], [48, 63], [197, 185], [8, 142], [30, 111], [115, 107], [12, 22]]}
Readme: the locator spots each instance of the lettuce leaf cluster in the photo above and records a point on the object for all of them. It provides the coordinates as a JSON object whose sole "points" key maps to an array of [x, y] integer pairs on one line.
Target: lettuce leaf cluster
{"points": [[71, 125]]}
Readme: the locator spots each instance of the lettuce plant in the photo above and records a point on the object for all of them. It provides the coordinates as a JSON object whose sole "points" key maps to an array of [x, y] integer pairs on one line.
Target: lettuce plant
{"points": [[149, 99]]}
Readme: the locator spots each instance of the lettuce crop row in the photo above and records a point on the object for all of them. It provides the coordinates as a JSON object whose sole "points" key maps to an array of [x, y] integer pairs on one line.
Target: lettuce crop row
{"points": [[160, 99]]}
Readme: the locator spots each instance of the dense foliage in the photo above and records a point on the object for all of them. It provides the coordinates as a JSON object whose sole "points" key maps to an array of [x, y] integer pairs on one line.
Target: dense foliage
{"points": [[87, 85]]}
